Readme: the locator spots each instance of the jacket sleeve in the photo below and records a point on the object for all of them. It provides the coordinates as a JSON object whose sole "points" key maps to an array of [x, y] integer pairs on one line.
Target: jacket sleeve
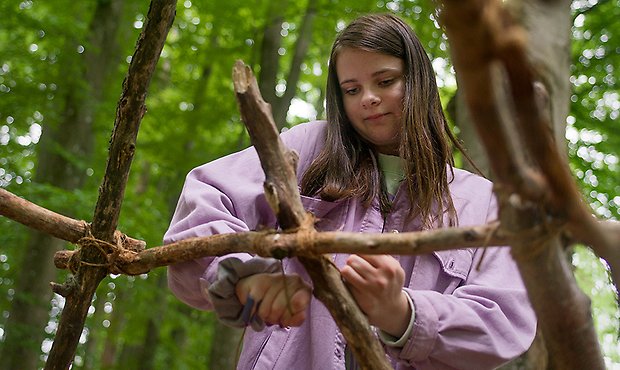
{"points": [[484, 323], [223, 196]]}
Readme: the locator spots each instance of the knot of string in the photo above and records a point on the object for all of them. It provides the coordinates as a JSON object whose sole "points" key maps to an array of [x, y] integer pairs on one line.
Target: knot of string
{"points": [[109, 250], [305, 236]]}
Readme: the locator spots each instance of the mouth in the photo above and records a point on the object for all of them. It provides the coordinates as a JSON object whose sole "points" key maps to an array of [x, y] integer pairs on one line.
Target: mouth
{"points": [[375, 116]]}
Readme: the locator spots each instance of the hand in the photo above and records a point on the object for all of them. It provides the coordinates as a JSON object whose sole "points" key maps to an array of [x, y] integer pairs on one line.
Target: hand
{"points": [[376, 282], [268, 290]]}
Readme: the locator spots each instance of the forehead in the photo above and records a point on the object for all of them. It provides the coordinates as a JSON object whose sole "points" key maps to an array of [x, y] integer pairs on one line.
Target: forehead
{"points": [[353, 63]]}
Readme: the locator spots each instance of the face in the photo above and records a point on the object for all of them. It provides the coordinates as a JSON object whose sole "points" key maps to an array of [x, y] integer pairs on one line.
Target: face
{"points": [[373, 87]]}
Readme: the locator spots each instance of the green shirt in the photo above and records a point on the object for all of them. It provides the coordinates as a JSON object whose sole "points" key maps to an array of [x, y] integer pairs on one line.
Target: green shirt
{"points": [[393, 168]]}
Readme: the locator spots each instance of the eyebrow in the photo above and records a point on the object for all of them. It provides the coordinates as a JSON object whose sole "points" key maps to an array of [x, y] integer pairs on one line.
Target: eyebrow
{"points": [[374, 74]]}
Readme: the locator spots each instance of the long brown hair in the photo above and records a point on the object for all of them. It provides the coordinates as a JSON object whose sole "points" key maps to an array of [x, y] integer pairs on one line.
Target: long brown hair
{"points": [[347, 167]]}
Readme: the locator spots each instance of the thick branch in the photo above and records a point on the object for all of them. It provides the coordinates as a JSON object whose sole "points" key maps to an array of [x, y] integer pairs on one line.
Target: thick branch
{"points": [[562, 308], [129, 113], [41, 219], [279, 245], [499, 41], [130, 110], [533, 126], [52, 223], [470, 51], [489, 38], [283, 194]]}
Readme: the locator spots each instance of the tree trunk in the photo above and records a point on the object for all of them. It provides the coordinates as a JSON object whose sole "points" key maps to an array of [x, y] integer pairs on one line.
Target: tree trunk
{"points": [[124, 295], [156, 317], [467, 133], [281, 105], [30, 308], [31, 304], [270, 59], [91, 350]]}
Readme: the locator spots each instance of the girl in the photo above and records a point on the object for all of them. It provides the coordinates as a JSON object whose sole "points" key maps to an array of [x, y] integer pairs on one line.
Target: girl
{"points": [[381, 163]]}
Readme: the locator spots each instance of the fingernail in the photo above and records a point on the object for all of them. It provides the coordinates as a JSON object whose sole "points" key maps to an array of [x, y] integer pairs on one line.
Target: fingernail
{"points": [[247, 310]]}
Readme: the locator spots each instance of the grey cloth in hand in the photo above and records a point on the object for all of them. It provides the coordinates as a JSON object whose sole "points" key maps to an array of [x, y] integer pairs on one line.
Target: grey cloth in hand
{"points": [[227, 306]]}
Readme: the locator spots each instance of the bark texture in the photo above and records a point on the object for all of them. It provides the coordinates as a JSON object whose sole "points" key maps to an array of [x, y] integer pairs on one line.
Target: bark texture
{"points": [[283, 195], [539, 201], [79, 290], [536, 188], [31, 304]]}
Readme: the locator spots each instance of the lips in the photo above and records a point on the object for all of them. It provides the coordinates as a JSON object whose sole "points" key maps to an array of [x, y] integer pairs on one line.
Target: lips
{"points": [[375, 116]]}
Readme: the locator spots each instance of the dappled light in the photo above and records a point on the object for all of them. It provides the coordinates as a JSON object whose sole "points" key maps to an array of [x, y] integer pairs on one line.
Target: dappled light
{"points": [[59, 94]]}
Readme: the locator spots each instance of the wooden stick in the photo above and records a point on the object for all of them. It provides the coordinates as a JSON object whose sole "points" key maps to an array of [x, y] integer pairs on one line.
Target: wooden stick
{"points": [[129, 113], [49, 222], [279, 245], [283, 195], [482, 35]]}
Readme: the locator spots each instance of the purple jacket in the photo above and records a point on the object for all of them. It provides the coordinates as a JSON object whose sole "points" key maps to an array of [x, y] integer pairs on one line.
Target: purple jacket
{"points": [[465, 318]]}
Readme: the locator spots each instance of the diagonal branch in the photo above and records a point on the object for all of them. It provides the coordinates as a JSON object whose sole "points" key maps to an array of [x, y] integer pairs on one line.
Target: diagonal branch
{"points": [[283, 195], [80, 290], [565, 197]]}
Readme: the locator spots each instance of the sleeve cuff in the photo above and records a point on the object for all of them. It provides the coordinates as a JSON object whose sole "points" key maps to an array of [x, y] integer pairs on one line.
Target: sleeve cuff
{"points": [[392, 341], [222, 292]]}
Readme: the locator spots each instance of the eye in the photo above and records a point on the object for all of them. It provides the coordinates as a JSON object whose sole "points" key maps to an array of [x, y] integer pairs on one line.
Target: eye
{"points": [[386, 82], [350, 91]]}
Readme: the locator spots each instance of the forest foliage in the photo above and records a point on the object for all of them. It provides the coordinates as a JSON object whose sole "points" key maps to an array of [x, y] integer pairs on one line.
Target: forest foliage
{"points": [[193, 118]]}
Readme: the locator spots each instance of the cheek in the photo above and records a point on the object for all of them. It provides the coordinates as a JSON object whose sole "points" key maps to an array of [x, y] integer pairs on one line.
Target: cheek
{"points": [[349, 108]]}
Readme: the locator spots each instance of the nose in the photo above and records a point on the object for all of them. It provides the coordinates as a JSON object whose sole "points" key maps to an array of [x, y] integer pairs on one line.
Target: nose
{"points": [[370, 99]]}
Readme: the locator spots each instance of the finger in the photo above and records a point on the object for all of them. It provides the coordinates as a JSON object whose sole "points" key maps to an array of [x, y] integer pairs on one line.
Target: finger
{"points": [[290, 300], [299, 305], [376, 260], [264, 311], [279, 308], [292, 297], [253, 285], [361, 266], [352, 276], [297, 319], [385, 266], [301, 299], [248, 307]]}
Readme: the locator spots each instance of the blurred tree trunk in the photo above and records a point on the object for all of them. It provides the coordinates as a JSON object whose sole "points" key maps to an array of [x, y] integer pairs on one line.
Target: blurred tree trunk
{"points": [[72, 137], [156, 317], [224, 346], [269, 62], [549, 53], [91, 350], [117, 324]]}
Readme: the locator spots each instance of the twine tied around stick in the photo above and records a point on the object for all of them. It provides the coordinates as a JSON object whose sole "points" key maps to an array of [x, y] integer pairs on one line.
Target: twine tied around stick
{"points": [[108, 250], [305, 235]]}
